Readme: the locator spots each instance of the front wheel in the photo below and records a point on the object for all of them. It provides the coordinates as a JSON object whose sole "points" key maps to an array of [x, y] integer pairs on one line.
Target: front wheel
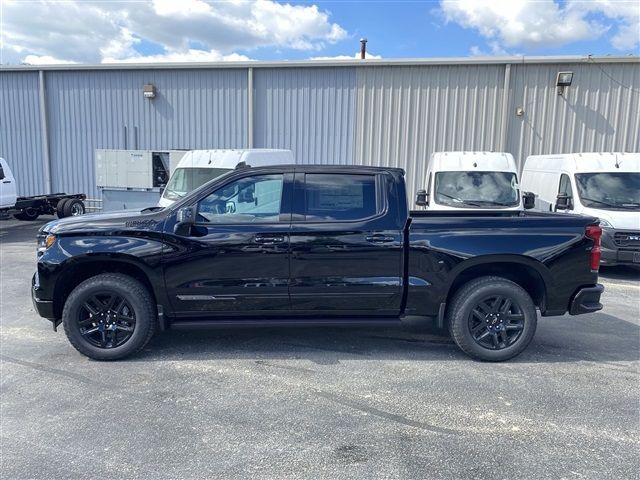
{"points": [[28, 214], [109, 317], [492, 319]]}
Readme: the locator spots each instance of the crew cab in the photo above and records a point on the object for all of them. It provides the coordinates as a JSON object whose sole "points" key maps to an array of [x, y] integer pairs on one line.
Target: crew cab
{"points": [[313, 245]]}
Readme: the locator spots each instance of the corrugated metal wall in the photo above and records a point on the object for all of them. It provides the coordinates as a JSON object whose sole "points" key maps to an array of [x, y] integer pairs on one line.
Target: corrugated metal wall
{"points": [[599, 112], [20, 130], [88, 110], [365, 114], [310, 111], [406, 113]]}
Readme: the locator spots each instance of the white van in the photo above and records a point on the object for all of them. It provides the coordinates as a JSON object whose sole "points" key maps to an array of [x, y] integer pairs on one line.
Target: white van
{"points": [[197, 167], [603, 185], [471, 180]]}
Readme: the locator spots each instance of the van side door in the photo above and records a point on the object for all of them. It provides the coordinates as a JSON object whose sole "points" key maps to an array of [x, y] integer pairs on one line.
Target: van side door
{"points": [[564, 188]]}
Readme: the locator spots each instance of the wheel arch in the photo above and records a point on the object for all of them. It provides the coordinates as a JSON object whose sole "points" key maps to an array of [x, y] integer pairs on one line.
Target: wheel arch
{"points": [[87, 266], [528, 273]]}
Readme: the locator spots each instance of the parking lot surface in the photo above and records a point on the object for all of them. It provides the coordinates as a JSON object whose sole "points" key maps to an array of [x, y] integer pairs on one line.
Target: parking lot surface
{"points": [[318, 403]]}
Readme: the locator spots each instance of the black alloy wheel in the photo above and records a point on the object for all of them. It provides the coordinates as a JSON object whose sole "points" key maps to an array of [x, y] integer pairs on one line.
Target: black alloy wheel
{"points": [[106, 320], [492, 318], [496, 322]]}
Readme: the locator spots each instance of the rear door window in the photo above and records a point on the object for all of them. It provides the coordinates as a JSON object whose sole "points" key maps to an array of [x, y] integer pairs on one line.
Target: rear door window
{"points": [[340, 197]]}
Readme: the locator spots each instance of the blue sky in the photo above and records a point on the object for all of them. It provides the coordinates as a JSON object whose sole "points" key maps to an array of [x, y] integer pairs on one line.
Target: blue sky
{"points": [[35, 32]]}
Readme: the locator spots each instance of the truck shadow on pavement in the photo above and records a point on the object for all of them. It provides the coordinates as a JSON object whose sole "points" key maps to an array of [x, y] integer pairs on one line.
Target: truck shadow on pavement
{"points": [[601, 338]]}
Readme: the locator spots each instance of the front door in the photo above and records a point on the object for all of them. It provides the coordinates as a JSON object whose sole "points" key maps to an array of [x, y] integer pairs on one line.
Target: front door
{"points": [[346, 246], [7, 186], [235, 259]]}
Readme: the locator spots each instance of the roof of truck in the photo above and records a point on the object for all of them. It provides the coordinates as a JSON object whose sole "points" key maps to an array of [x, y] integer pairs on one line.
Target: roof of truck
{"points": [[585, 162]]}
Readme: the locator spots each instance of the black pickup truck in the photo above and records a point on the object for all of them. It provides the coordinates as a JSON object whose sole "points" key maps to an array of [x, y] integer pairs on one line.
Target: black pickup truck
{"points": [[313, 245]]}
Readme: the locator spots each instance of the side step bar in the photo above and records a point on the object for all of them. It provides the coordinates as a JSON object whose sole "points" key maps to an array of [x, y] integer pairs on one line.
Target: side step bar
{"points": [[289, 322]]}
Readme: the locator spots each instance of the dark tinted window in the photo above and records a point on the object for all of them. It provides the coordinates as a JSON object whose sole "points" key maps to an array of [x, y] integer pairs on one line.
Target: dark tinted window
{"points": [[248, 200], [1, 172], [565, 185], [340, 197]]}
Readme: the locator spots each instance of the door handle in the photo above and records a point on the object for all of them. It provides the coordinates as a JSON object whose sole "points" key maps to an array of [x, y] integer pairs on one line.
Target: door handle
{"points": [[379, 238], [269, 239], [6, 181]]}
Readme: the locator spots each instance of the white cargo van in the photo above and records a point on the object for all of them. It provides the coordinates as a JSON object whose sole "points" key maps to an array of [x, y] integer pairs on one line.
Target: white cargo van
{"points": [[197, 167], [603, 185], [471, 180]]}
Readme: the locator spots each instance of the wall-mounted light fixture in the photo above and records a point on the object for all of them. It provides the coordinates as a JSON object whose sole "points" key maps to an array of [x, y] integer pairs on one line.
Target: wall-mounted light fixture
{"points": [[149, 91], [563, 80]]}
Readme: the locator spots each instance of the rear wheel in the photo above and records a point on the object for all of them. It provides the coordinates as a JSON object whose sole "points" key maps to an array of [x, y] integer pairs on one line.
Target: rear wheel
{"points": [[60, 207], [492, 319], [109, 317], [73, 207], [28, 214]]}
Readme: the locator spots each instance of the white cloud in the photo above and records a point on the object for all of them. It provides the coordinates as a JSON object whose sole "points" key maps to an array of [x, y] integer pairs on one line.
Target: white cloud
{"points": [[546, 23], [91, 32], [347, 57], [178, 57]]}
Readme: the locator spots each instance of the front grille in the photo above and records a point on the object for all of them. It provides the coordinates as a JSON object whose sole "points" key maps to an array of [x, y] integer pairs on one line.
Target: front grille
{"points": [[627, 239]]}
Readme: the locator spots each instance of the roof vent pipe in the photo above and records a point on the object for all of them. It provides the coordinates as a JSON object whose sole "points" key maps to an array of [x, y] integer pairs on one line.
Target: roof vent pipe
{"points": [[363, 48]]}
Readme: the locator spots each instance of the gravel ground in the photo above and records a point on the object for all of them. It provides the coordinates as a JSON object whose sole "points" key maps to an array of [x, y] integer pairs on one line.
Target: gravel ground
{"points": [[318, 403]]}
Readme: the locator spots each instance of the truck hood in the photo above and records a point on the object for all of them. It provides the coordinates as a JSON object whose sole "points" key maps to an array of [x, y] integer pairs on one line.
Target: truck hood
{"points": [[124, 220]]}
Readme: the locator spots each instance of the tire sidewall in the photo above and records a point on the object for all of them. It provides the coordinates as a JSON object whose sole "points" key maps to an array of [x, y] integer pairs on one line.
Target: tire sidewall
{"points": [[74, 304], [507, 289], [60, 207], [68, 206]]}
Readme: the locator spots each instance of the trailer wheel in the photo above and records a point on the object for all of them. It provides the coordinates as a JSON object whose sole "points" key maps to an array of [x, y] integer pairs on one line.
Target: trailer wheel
{"points": [[28, 214], [73, 207], [60, 207]]}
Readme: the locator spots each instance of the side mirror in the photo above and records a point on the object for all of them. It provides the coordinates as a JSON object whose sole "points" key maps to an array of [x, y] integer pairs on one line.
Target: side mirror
{"points": [[185, 218], [422, 198], [563, 202], [528, 200], [161, 190]]}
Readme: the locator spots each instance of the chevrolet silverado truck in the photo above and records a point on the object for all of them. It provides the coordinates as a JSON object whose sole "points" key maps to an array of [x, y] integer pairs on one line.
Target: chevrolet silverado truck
{"points": [[313, 245]]}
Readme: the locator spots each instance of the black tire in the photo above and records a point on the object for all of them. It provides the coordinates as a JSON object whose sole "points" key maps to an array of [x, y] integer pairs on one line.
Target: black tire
{"points": [[60, 207], [473, 312], [73, 207], [28, 214], [140, 310]]}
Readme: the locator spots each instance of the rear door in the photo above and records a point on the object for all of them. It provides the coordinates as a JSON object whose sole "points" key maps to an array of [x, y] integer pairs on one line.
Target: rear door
{"points": [[346, 244]]}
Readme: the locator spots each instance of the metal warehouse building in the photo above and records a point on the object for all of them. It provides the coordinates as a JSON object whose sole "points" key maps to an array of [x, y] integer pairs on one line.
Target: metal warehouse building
{"points": [[373, 112]]}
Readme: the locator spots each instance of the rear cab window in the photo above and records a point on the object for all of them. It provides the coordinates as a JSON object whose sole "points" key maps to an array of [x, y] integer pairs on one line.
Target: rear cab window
{"points": [[340, 197]]}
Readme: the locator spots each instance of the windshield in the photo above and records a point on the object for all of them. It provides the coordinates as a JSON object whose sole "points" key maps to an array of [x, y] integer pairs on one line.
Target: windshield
{"points": [[609, 190], [185, 180], [476, 189]]}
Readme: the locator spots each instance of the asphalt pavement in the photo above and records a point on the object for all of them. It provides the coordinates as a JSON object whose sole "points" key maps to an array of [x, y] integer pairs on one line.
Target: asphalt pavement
{"points": [[318, 403]]}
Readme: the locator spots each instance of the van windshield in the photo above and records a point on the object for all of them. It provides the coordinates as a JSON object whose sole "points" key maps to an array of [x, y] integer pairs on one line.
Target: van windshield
{"points": [[477, 189], [609, 190], [185, 180]]}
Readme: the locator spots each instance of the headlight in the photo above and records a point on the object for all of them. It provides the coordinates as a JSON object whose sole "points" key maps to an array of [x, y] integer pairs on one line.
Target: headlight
{"points": [[605, 224], [44, 242]]}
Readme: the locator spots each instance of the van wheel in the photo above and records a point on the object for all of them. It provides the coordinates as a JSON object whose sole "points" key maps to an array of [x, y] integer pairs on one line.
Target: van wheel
{"points": [[109, 317], [28, 214], [60, 207], [492, 319], [73, 207]]}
